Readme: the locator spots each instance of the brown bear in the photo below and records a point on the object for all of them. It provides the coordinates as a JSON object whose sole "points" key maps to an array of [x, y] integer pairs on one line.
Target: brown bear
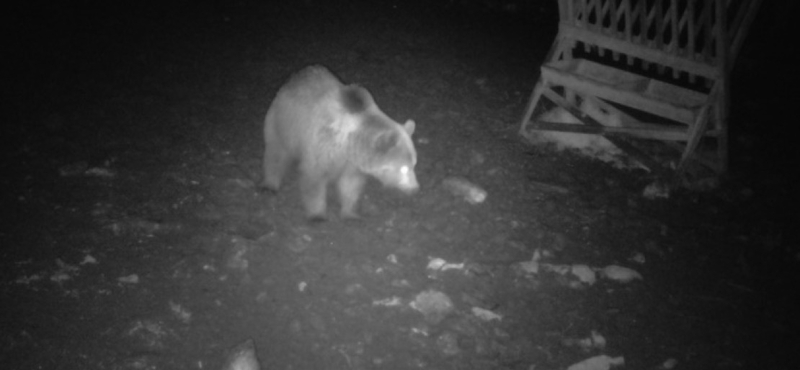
{"points": [[335, 133]]}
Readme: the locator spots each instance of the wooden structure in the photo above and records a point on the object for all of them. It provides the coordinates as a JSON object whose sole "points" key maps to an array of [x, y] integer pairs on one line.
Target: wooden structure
{"points": [[668, 60]]}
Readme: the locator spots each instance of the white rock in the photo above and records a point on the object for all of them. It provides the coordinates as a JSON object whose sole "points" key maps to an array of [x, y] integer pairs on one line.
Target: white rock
{"points": [[602, 362], [584, 273], [620, 274]]}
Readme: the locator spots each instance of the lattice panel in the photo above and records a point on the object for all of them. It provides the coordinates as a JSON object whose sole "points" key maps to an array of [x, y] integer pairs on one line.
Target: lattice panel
{"points": [[667, 58]]}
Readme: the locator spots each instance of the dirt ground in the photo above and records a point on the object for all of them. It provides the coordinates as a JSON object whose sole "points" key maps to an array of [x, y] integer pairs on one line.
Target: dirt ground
{"points": [[133, 236]]}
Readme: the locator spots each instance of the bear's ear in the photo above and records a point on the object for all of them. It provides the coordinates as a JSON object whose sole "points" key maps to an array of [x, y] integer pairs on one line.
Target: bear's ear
{"points": [[384, 142], [356, 99], [409, 126]]}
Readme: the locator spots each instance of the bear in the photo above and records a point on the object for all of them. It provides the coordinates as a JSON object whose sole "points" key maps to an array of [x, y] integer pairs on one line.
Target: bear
{"points": [[334, 134]]}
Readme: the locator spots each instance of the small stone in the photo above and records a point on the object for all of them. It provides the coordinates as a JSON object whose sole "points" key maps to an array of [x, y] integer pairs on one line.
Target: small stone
{"points": [[448, 344]]}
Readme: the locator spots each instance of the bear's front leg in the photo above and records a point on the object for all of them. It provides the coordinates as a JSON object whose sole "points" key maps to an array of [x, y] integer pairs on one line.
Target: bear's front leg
{"points": [[350, 185]]}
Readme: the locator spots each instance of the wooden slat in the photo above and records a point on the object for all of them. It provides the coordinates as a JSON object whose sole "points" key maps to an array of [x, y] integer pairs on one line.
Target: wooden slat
{"points": [[653, 133], [633, 99], [613, 30], [645, 53], [673, 47], [590, 122], [628, 29]]}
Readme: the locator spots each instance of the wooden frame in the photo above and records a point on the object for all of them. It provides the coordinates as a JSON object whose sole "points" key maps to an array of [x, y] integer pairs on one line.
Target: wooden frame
{"points": [[667, 59]]}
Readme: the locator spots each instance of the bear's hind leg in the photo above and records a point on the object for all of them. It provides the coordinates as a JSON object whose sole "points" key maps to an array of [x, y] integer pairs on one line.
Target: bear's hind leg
{"points": [[350, 185], [276, 160]]}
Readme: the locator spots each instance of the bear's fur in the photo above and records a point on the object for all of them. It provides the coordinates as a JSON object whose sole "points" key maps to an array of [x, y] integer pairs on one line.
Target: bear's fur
{"points": [[336, 134]]}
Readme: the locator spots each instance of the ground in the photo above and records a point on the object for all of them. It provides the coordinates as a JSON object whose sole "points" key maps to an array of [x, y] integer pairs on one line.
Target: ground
{"points": [[134, 236]]}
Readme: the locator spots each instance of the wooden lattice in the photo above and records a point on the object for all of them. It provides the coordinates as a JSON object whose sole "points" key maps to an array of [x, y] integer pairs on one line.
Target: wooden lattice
{"points": [[669, 59]]}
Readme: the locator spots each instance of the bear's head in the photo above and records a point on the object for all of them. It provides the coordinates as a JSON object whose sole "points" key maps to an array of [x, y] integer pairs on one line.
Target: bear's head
{"points": [[392, 156]]}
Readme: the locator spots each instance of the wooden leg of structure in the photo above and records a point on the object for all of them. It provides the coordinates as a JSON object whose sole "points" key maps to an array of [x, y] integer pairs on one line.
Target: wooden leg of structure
{"points": [[696, 133], [722, 122], [532, 103]]}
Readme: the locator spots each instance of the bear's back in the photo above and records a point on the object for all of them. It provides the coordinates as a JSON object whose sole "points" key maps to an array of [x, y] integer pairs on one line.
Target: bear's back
{"points": [[305, 103]]}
